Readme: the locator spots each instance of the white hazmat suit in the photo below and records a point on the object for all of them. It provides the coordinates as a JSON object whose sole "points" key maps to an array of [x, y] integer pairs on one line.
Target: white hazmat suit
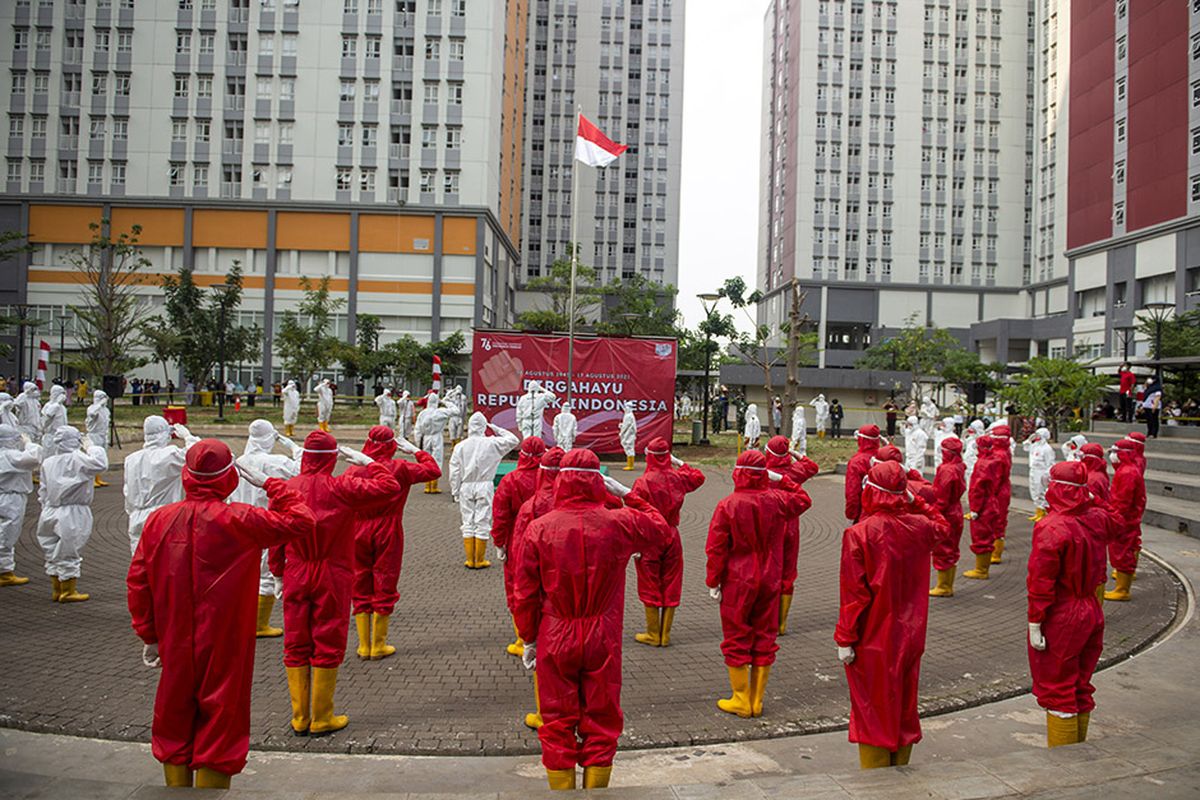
{"points": [[97, 420], [152, 475], [799, 430], [291, 406], [28, 410], [324, 404], [387, 409], [821, 407], [915, 440], [454, 425], [1072, 448], [430, 429], [1041, 459], [8, 411], [628, 433], [66, 493], [943, 432], [752, 430], [531, 408], [54, 415], [473, 470], [404, 413], [929, 413], [565, 427], [18, 460]]}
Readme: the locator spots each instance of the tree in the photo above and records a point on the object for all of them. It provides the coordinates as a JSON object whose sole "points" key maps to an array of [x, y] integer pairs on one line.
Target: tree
{"points": [[304, 343], [639, 307], [1056, 389], [754, 347], [556, 289], [110, 321], [364, 358], [1180, 338], [928, 354]]}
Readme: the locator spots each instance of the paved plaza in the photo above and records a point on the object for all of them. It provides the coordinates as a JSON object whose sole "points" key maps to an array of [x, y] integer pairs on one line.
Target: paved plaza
{"points": [[452, 689]]}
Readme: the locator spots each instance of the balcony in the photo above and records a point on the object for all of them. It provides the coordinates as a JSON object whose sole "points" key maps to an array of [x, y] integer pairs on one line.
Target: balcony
{"points": [[66, 185], [68, 142], [231, 189], [399, 151], [231, 147], [235, 102]]}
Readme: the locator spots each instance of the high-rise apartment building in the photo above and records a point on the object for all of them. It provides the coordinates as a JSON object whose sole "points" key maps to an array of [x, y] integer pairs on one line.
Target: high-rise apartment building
{"points": [[621, 63]]}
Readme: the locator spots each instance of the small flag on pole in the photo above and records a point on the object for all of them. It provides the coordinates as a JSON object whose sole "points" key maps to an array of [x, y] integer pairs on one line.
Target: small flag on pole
{"points": [[43, 360], [437, 374], [593, 148]]}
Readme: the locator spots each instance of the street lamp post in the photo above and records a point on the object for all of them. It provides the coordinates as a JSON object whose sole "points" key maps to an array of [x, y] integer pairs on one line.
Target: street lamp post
{"points": [[1159, 312], [706, 299]]}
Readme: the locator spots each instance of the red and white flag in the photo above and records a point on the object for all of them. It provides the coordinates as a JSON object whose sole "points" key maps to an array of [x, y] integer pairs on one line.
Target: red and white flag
{"points": [[593, 148], [437, 374], [43, 360]]}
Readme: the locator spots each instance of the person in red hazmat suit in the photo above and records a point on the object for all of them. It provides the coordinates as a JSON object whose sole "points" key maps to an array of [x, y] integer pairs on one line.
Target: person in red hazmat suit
{"points": [[857, 467], [984, 497], [569, 601], [1127, 501], [379, 540], [664, 484], [514, 489], [781, 459], [917, 484], [1066, 623], [884, 608], [745, 574], [318, 576], [1139, 449], [192, 586], [949, 486], [1092, 456], [1003, 450]]}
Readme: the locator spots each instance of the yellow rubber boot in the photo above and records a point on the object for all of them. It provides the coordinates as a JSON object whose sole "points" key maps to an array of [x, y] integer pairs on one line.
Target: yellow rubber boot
{"points": [[561, 778], [820, 434], [177, 776], [469, 549], [1039, 514], [871, 757], [945, 584], [211, 779], [67, 593], [628, 464], [739, 703], [289, 430], [266, 602], [433, 487], [324, 721], [362, 624], [11, 579], [997, 550], [901, 757], [983, 562], [300, 691], [1121, 593], [379, 647], [428, 486], [481, 561], [596, 777], [99, 482], [1061, 731], [517, 648], [1083, 720], [758, 688], [56, 588], [653, 634], [668, 619], [785, 605], [534, 718]]}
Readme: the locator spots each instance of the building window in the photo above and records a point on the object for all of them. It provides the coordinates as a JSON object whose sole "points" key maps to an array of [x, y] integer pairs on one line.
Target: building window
{"points": [[179, 130], [117, 177], [349, 47], [1118, 215], [366, 180], [370, 135], [1195, 188], [1121, 129], [1119, 173], [37, 171], [427, 177], [457, 49], [344, 180], [200, 176], [183, 42], [453, 138], [175, 174], [1121, 90], [345, 134], [15, 171], [283, 178], [450, 181], [347, 91]]}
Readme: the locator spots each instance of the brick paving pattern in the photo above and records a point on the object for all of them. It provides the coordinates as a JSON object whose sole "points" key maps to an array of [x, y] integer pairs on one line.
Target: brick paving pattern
{"points": [[451, 688]]}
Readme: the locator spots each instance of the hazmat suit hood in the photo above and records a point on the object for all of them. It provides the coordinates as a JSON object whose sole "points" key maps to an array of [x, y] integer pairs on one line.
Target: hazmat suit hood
{"points": [[404, 395], [628, 406], [868, 438], [156, 431], [57, 393], [262, 437], [752, 410], [976, 428], [320, 454], [948, 424], [984, 445], [548, 474], [1125, 451], [531, 452], [99, 398], [290, 385], [777, 452], [579, 479], [658, 454], [821, 397], [10, 438], [477, 425], [886, 489], [30, 388], [1068, 487], [1093, 458], [1138, 440], [210, 473], [380, 444], [66, 439], [952, 448], [912, 422], [750, 473], [889, 452]]}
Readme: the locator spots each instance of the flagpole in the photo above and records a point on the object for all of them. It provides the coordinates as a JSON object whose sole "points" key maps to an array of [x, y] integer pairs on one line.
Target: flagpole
{"points": [[574, 261]]}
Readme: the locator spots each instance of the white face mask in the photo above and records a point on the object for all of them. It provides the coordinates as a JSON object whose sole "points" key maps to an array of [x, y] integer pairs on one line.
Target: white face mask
{"points": [[1114, 458]]}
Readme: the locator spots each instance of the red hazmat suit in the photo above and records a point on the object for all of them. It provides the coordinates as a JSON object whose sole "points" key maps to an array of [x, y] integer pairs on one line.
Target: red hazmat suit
{"points": [[1139, 449], [745, 559], [192, 590], [984, 496], [949, 485], [1097, 471], [1002, 449], [379, 529], [884, 609], [538, 504], [569, 599], [515, 488], [1127, 501], [917, 484], [857, 467], [660, 573], [318, 569], [1065, 567], [799, 470]]}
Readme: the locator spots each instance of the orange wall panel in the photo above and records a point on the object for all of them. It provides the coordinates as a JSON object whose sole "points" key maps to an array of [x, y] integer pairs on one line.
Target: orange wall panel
{"points": [[458, 236], [392, 233], [62, 224], [160, 226], [298, 230], [246, 229]]}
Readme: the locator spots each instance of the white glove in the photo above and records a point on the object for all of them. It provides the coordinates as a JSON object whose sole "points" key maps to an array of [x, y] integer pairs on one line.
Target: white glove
{"points": [[1036, 640], [529, 657], [970, 515], [278, 587], [774, 476], [405, 446], [182, 432], [615, 487], [676, 462], [150, 655], [846, 655], [501, 554], [715, 593], [288, 443], [26, 440], [253, 476], [355, 457], [796, 454], [637, 556]]}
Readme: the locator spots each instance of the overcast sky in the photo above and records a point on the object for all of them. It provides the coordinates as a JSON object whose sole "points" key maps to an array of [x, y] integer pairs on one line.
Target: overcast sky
{"points": [[722, 107]]}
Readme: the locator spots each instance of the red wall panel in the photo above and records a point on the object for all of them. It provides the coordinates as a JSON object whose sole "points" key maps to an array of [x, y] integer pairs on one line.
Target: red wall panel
{"points": [[1090, 150], [1158, 112]]}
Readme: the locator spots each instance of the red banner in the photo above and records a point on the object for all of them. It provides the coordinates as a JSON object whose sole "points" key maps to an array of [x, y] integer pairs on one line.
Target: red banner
{"points": [[608, 372]]}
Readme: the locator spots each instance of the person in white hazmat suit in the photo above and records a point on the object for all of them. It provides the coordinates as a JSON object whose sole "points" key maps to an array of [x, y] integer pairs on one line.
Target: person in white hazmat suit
{"points": [[821, 407], [8, 411], [915, 440], [28, 410], [971, 446], [531, 408], [627, 431], [472, 483], [65, 524], [799, 430], [387, 409], [259, 455], [566, 427], [430, 429], [943, 432], [454, 425], [97, 424], [324, 404], [929, 414], [54, 414], [1041, 459], [404, 415], [291, 408], [752, 430], [18, 460], [153, 474], [1072, 449]]}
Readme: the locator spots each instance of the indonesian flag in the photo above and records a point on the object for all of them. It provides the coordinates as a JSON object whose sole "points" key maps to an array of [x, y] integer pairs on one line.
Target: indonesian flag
{"points": [[43, 360], [593, 148], [437, 374]]}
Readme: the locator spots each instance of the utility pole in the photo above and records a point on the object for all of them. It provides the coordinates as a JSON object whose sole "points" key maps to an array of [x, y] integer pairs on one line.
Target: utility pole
{"points": [[791, 394]]}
